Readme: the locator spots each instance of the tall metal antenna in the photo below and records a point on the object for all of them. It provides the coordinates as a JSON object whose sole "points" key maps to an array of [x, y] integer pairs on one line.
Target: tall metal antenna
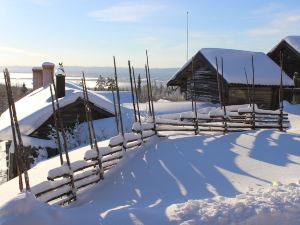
{"points": [[187, 35]]}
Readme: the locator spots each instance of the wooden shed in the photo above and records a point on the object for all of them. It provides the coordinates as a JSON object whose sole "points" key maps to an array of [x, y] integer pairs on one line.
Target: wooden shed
{"points": [[35, 112], [290, 47], [199, 77]]}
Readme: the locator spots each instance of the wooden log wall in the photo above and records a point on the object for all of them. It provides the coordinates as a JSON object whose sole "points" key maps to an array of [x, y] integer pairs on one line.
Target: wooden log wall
{"points": [[266, 97], [70, 115], [203, 86]]}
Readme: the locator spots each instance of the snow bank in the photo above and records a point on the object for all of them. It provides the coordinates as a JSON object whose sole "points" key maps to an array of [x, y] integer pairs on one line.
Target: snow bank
{"points": [[251, 206], [26, 210]]}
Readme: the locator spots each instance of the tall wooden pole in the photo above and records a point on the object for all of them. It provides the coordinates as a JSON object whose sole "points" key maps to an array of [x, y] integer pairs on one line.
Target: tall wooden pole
{"points": [[281, 93], [56, 128], [218, 81], [253, 94], [137, 97], [223, 100], [19, 163], [194, 100], [118, 97], [90, 118], [20, 141], [65, 144], [87, 114], [151, 94], [148, 91], [248, 89], [132, 92], [115, 107]]}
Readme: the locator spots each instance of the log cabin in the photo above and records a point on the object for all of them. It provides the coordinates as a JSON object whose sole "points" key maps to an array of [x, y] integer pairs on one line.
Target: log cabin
{"points": [[290, 48], [198, 77]]}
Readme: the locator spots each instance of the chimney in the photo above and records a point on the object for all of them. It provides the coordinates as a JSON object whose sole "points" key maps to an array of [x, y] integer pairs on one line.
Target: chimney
{"points": [[60, 81], [48, 73], [37, 77]]}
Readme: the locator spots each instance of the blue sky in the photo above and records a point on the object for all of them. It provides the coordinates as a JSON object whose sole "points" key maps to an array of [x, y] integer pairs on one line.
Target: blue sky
{"points": [[90, 32]]}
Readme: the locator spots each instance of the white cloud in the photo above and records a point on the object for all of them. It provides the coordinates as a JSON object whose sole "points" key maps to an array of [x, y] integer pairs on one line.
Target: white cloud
{"points": [[20, 51], [280, 24], [129, 12]]}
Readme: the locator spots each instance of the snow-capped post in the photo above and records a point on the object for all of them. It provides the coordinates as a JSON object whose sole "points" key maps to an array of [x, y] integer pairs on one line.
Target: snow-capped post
{"points": [[19, 137], [48, 73], [37, 77], [56, 128], [86, 113], [194, 100], [148, 91], [248, 89], [132, 92], [223, 100], [18, 161], [281, 94], [151, 94], [65, 144], [253, 94], [119, 101], [90, 118]]}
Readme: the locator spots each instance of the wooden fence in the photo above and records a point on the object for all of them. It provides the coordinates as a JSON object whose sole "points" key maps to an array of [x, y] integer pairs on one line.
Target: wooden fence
{"points": [[58, 189]]}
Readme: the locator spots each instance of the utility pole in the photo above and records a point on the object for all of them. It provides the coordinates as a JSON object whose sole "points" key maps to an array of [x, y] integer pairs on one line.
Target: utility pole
{"points": [[187, 35]]}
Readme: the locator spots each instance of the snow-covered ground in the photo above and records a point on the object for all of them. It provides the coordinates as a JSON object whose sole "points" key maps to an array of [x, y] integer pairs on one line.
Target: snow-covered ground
{"points": [[239, 178]]}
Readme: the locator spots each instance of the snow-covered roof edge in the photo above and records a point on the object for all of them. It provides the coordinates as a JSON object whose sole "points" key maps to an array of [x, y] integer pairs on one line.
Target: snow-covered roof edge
{"points": [[292, 40]]}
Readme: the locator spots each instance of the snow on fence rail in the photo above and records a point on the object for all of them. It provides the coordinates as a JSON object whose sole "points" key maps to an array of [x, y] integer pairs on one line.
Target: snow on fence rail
{"points": [[57, 189], [232, 119]]}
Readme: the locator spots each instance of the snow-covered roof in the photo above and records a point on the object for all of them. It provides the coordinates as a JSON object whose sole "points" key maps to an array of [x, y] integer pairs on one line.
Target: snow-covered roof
{"points": [[267, 72], [35, 108]]}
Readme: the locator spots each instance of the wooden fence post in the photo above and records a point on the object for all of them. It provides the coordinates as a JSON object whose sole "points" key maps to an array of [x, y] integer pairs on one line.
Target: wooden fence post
{"points": [[281, 94], [119, 101], [65, 145], [18, 161], [20, 145], [56, 128], [148, 91], [132, 92], [90, 119], [253, 95], [223, 100], [151, 94]]}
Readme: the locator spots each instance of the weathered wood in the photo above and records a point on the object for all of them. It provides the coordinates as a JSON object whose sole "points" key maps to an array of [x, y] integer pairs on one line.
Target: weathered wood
{"points": [[90, 118], [65, 145], [19, 163], [56, 128], [118, 97], [132, 92], [17, 128]]}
